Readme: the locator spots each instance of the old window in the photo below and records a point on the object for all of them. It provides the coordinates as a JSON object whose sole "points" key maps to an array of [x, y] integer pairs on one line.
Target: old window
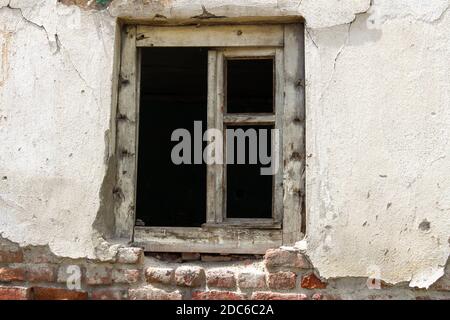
{"points": [[237, 89]]}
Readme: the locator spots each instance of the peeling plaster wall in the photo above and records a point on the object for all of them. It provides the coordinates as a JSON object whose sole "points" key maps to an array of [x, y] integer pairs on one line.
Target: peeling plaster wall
{"points": [[55, 102], [378, 132], [378, 115]]}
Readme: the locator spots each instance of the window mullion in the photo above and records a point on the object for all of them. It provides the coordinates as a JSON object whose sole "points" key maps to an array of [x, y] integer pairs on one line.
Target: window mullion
{"points": [[211, 118], [126, 117], [278, 141], [244, 118], [220, 175], [293, 131]]}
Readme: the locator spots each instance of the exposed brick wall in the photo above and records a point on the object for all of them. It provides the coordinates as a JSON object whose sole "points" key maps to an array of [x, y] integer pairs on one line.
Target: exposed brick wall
{"points": [[34, 273]]}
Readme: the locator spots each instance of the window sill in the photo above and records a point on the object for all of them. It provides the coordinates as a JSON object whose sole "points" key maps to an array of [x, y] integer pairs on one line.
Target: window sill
{"points": [[243, 223], [233, 240]]}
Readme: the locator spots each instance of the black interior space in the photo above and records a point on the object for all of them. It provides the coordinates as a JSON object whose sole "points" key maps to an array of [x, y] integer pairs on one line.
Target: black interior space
{"points": [[173, 95], [250, 85], [250, 89], [249, 194]]}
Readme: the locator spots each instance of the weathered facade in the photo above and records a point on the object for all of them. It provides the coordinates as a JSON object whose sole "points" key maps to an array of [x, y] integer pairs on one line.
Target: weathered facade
{"points": [[377, 95]]}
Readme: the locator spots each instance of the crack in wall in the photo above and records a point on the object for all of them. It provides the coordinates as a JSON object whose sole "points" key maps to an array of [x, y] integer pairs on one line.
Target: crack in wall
{"points": [[206, 15], [339, 53], [69, 59], [341, 49], [441, 16], [37, 25], [55, 49], [380, 14], [311, 38]]}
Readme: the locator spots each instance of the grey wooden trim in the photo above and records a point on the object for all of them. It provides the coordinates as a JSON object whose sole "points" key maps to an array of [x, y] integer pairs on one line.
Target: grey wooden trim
{"points": [[263, 52], [220, 169], [234, 235], [246, 223], [248, 118], [126, 149], [210, 36], [211, 240], [293, 133], [279, 112], [212, 169]]}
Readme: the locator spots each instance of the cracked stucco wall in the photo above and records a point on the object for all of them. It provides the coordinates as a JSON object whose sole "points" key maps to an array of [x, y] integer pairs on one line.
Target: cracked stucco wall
{"points": [[378, 115], [378, 161], [55, 102]]}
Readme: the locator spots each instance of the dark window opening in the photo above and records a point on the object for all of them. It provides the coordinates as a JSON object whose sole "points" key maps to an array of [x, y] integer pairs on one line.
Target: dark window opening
{"points": [[249, 194], [173, 95], [250, 85]]}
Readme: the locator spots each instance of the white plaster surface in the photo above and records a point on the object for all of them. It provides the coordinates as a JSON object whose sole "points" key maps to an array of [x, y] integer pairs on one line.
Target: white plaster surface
{"points": [[378, 126], [378, 132], [55, 102]]}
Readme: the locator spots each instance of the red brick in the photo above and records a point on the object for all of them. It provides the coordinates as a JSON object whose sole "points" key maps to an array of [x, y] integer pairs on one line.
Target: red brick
{"points": [[15, 293], [252, 280], [41, 274], [11, 255], [220, 278], [187, 276], [325, 296], [130, 255], [159, 275], [150, 293], [41, 293], [282, 280], [217, 295], [126, 276], [12, 274], [278, 296], [275, 258], [98, 275], [71, 273], [310, 281], [109, 294]]}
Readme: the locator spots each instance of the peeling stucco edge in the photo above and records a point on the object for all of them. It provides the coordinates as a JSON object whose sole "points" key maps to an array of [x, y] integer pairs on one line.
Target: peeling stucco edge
{"points": [[423, 279], [104, 221], [105, 243], [37, 25], [417, 281]]}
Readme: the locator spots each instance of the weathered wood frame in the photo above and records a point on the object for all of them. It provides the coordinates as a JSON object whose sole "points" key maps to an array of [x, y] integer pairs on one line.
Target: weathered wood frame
{"points": [[221, 235], [221, 119]]}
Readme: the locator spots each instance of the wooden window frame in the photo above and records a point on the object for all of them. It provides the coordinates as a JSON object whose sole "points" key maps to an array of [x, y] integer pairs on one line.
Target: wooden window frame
{"points": [[285, 44]]}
